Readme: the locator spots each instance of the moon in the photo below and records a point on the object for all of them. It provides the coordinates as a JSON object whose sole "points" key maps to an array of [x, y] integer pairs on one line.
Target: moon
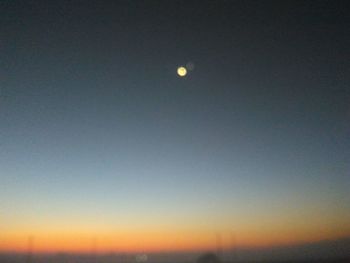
{"points": [[181, 71]]}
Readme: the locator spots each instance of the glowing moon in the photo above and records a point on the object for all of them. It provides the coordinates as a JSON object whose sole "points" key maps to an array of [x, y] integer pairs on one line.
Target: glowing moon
{"points": [[181, 71]]}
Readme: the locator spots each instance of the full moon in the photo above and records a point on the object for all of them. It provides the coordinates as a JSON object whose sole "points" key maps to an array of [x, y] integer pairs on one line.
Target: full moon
{"points": [[181, 71]]}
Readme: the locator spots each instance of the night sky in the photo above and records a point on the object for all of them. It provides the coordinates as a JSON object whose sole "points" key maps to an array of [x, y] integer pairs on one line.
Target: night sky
{"points": [[99, 136]]}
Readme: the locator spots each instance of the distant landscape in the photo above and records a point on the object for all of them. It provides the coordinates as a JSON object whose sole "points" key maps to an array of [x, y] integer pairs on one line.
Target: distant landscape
{"points": [[325, 251]]}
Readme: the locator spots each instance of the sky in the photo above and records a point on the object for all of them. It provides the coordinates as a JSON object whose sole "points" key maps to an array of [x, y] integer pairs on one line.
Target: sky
{"points": [[100, 139]]}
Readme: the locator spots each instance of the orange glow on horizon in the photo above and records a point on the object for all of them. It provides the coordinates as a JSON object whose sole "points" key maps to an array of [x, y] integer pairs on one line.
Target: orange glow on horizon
{"points": [[147, 242]]}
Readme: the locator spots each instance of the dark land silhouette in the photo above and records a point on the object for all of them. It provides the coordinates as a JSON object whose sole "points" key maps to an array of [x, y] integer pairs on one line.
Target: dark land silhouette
{"points": [[325, 252]]}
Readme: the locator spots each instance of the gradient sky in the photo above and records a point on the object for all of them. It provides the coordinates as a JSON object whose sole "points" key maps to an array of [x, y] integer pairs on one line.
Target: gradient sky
{"points": [[99, 137]]}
